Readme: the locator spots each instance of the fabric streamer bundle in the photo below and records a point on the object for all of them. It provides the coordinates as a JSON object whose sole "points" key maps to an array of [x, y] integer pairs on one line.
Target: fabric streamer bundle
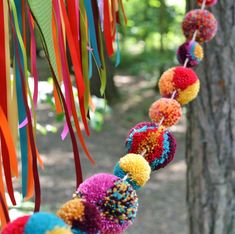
{"points": [[81, 30], [108, 203]]}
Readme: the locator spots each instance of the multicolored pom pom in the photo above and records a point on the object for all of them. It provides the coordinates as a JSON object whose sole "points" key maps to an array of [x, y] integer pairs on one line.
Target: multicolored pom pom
{"points": [[165, 110], [201, 21], [83, 217], [181, 80], [44, 223], [158, 144], [17, 226], [135, 167], [209, 3], [190, 51], [115, 199]]}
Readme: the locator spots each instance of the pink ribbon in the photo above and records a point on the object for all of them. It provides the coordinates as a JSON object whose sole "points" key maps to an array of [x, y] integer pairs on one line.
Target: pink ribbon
{"points": [[33, 59]]}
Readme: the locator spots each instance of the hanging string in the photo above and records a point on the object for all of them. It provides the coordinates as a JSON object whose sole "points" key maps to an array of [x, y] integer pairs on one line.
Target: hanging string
{"points": [[185, 63]]}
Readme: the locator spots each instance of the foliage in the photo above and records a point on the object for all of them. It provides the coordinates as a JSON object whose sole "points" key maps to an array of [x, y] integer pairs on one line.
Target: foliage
{"points": [[149, 42]]}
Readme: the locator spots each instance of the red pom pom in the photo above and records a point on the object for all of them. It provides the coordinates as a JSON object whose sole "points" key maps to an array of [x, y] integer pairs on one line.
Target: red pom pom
{"points": [[209, 3], [184, 77], [17, 226]]}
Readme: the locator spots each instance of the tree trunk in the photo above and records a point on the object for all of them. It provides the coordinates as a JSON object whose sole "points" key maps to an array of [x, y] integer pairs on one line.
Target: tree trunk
{"points": [[210, 138]]}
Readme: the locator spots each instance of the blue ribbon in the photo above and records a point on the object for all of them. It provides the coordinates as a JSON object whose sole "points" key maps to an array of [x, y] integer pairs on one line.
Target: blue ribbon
{"points": [[21, 108], [92, 31], [118, 54]]}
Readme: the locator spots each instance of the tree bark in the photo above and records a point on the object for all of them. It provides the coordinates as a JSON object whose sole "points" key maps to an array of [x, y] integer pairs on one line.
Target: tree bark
{"points": [[210, 138]]}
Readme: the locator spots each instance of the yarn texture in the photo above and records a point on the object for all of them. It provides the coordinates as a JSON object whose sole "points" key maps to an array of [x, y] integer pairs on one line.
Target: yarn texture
{"points": [[136, 167], [159, 144], [17, 226], [42, 223], [81, 216], [115, 199], [201, 21], [181, 80], [60, 231], [192, 52], [166, 108]]}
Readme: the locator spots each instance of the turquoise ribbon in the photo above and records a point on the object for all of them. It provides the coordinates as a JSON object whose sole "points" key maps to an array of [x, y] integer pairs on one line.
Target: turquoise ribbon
{"points": [[118, 54], [21, 107], [92, 31]]}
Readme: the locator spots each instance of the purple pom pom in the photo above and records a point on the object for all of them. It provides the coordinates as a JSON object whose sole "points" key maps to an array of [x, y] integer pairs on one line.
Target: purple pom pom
{"points": [[192, 51]]}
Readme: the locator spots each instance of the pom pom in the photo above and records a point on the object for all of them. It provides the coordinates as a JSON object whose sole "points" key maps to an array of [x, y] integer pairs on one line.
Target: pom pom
{"points": [[136, 167], [44, 223], [59, 231], [166, 108], [192, 51], [209, 3], [182, 80], [115, 199], [81, 215], [17, 226], [158, 144], [201, 20]]}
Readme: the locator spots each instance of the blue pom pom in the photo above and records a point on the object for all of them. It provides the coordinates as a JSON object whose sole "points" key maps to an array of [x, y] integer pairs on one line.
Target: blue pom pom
{"points": [[41, 223]]}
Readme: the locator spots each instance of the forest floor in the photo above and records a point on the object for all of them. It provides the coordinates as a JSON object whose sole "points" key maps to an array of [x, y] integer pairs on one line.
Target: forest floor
{"points": [[161, 202]]}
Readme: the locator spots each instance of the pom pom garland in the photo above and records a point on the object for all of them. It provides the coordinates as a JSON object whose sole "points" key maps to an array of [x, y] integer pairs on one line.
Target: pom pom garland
{"points": [[135, 167], [17, 226], [115, 199], [165, 110], [44, 223], [181, 80], [190, 52], [202, 22], [209, 3], [159, 144], [104, 203], [81, 215]]}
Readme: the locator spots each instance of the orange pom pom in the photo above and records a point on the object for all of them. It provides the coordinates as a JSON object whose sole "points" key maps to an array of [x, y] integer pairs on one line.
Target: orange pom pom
{"points": [[166, 108]]}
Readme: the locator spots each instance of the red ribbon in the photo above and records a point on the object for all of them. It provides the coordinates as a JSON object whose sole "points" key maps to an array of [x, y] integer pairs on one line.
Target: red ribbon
{"points": [[4, 208], [107, 29], [3, 104], [75, 56]]}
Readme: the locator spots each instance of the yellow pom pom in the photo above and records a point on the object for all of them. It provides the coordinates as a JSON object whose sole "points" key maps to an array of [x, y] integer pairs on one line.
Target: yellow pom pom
{"points": [[189, 93], [59, 230], [136, 167], [72, 210]]}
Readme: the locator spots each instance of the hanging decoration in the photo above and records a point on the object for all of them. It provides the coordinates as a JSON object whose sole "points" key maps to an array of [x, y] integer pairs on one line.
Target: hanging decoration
{"points": [[106, 203], [67, 28]]}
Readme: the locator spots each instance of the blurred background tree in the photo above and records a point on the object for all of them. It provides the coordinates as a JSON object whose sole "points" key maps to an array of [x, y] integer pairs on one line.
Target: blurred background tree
{"points": [[151, 37]]}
